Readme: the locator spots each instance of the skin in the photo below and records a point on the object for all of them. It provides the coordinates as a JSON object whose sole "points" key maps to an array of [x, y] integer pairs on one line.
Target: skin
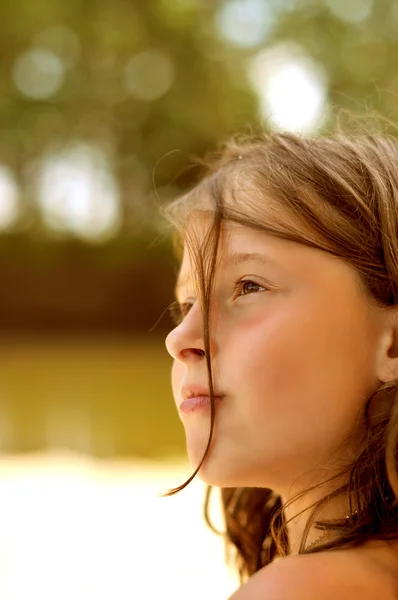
{"points": [[295, 353]]}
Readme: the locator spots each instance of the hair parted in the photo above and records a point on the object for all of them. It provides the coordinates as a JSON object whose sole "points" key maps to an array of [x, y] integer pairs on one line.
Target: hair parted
{"points": [[337, 193]]}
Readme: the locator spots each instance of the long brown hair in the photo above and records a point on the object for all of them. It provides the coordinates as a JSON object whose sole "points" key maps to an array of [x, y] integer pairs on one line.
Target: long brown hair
{"points": [[339, 194]]}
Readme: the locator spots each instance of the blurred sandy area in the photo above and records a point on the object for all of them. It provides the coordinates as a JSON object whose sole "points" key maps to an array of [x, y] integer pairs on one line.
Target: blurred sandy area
{"points": [[76, 527]]}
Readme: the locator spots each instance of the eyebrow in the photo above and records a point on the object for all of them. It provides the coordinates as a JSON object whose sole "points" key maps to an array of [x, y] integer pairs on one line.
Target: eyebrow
{"points": [[236, 259]]}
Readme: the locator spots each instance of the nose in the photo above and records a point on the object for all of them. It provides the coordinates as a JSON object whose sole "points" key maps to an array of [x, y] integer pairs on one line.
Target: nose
{"points": [[185, 342]]}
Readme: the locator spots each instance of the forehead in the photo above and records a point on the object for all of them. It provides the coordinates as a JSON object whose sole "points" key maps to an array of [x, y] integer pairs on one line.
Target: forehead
{"points": [[237, 244], [233, 236]]}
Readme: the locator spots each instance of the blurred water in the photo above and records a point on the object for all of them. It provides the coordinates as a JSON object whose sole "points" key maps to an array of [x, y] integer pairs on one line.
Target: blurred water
{"points": [[75, 527], [104, 396]]}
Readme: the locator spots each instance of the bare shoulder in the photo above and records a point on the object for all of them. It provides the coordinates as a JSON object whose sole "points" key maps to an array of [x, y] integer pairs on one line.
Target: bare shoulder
{"points": [[324, 576]]}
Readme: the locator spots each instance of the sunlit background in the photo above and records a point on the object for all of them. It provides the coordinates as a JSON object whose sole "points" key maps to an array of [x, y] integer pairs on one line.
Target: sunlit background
{"points": [[103, 106]]}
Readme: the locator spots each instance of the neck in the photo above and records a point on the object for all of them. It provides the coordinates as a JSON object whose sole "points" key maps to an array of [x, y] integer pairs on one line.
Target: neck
{"points": [[297, 516]]}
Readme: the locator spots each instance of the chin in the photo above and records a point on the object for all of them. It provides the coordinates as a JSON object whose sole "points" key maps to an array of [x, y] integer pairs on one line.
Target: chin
{"points": [[221, 473]]}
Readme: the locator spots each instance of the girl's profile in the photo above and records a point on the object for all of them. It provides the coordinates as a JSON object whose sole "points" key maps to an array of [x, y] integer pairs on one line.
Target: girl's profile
{"points": [[285, 359]]}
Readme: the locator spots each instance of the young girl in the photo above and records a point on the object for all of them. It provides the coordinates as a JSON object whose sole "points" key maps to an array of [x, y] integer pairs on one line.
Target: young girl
{"points": [[286, 360]]}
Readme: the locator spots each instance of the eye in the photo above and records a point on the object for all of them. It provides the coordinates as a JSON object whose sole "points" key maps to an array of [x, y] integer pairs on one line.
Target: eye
{"points": [[243, 287], [178, 311]]}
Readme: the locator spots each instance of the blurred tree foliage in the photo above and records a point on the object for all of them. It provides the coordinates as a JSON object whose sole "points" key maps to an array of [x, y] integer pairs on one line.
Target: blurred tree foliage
{"points": [[155, 83], [148, 138]]}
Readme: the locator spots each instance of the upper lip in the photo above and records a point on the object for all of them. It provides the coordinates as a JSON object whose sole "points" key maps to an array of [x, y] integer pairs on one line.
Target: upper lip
{"points": [[190, 391]]}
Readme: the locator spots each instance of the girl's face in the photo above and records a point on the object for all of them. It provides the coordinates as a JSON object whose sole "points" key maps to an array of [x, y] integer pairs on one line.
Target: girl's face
{"points": [[293, 349]]}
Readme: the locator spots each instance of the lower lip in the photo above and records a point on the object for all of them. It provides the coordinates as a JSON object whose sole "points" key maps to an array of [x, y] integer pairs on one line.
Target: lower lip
{"points": [[196, 403]]}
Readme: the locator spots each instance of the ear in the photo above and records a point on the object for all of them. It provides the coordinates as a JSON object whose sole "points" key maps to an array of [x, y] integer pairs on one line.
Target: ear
{"points": [[387, 358]]}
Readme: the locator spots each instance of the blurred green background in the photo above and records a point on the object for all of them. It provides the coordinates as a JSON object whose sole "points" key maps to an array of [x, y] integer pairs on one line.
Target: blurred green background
{"points": [[103, 107]]}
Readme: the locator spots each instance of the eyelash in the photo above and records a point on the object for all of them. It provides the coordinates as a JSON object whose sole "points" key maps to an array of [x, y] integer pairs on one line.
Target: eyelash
{"points": [[239, 285], [179, 310]]}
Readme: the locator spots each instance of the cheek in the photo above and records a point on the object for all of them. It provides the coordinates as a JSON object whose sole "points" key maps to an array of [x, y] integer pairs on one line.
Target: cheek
{"points": [[308, 365]]}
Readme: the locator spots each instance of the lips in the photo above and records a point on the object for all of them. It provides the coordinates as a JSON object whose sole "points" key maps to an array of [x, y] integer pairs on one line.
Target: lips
{"points": [[196, 397], [193, 391]]}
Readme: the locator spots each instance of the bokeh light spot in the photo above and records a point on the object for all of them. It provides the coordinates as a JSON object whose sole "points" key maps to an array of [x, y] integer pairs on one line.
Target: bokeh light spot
{"points": [[245, 22], [9, 198], [149, 75], [353, 11], [291, 88], [38, 73], [78, 193]]}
